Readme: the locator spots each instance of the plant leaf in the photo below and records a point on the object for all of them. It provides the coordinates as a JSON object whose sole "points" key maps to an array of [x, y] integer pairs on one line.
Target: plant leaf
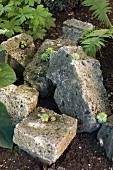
{"points": [[6, 128], [100, 9], [7, 75]]}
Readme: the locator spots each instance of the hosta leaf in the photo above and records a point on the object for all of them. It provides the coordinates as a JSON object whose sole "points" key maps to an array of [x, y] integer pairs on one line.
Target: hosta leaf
{"points": [[7, 75], [6, 128]]}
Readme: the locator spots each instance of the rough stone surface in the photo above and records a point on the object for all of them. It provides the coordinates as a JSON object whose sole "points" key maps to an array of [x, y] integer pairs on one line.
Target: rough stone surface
{"points": [[19, 101], [35, 72], [79, 86], [73, 29], [46, 140], [16, 57], [105, 137]]}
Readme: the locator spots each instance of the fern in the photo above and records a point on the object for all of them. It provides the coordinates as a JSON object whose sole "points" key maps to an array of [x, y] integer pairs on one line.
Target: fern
{"points": [[100, 9], [93, 41]]}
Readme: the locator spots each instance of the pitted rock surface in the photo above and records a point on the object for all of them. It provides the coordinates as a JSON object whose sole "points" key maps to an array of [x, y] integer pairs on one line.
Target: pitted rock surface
{"points": [[16, 57], [73, 29], [79, 86], [19, 101], [46, 140], [105, 137], [35, 72]]}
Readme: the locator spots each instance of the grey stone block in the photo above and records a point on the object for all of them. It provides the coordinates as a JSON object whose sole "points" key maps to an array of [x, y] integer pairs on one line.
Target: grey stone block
{"points": [[105, 137], [16, 57], [35, 72], [79, 86], [73, 29], [19, 101], [46, 140]]}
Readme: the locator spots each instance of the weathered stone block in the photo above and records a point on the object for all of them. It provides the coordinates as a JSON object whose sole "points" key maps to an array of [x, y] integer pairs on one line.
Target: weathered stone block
{"points": [[35, 72], [105, 137], [15, 56], [46, 140], [79, 86], [73, 29], [19, 101]]}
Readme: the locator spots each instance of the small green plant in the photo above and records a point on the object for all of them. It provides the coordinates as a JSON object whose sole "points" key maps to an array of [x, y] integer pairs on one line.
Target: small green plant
{"points": [[45, 56], [23, 44], [28, 16], [101, 117], [75, 56], [46, 118], [92, 41]]}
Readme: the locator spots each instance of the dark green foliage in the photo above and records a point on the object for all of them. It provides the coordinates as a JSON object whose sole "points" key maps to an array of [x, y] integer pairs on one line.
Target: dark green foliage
{"points": [[7, 75], [30, 14], [100, 9], [92, 41], [58, 5], [6, 128]]}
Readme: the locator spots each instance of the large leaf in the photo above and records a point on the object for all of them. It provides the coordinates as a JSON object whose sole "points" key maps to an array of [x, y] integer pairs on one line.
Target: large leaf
{"points": [[7, 75], [6, 128]]}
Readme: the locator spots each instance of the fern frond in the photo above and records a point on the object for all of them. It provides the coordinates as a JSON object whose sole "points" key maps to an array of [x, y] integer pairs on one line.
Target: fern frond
{"points": [[100, 9], [93, 41]]}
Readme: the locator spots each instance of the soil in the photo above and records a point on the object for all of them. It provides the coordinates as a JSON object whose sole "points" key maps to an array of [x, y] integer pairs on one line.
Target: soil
{"points": [[84, 152]]}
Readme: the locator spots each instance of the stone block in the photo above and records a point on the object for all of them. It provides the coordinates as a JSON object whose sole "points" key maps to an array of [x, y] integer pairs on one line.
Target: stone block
{"points": [[19, 101], [15, 56], [79, 92], [105, 137], [35, 72], [45, 140], [73, 29]]}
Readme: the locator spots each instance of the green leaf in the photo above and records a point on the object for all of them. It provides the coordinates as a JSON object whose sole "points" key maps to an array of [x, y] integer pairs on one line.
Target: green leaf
{"points": [[25, 13], [6, 128], [44, 117], [31, 2], [101, 117], [7, 75], [4, 9], [1, 48], [93, 41], [3, 31], [75, 56], [100, 9], [12, 26]]}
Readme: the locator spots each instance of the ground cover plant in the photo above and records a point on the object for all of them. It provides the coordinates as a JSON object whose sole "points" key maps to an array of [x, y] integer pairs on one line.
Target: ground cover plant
{"points": [[28, 16], [92, 41]]}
